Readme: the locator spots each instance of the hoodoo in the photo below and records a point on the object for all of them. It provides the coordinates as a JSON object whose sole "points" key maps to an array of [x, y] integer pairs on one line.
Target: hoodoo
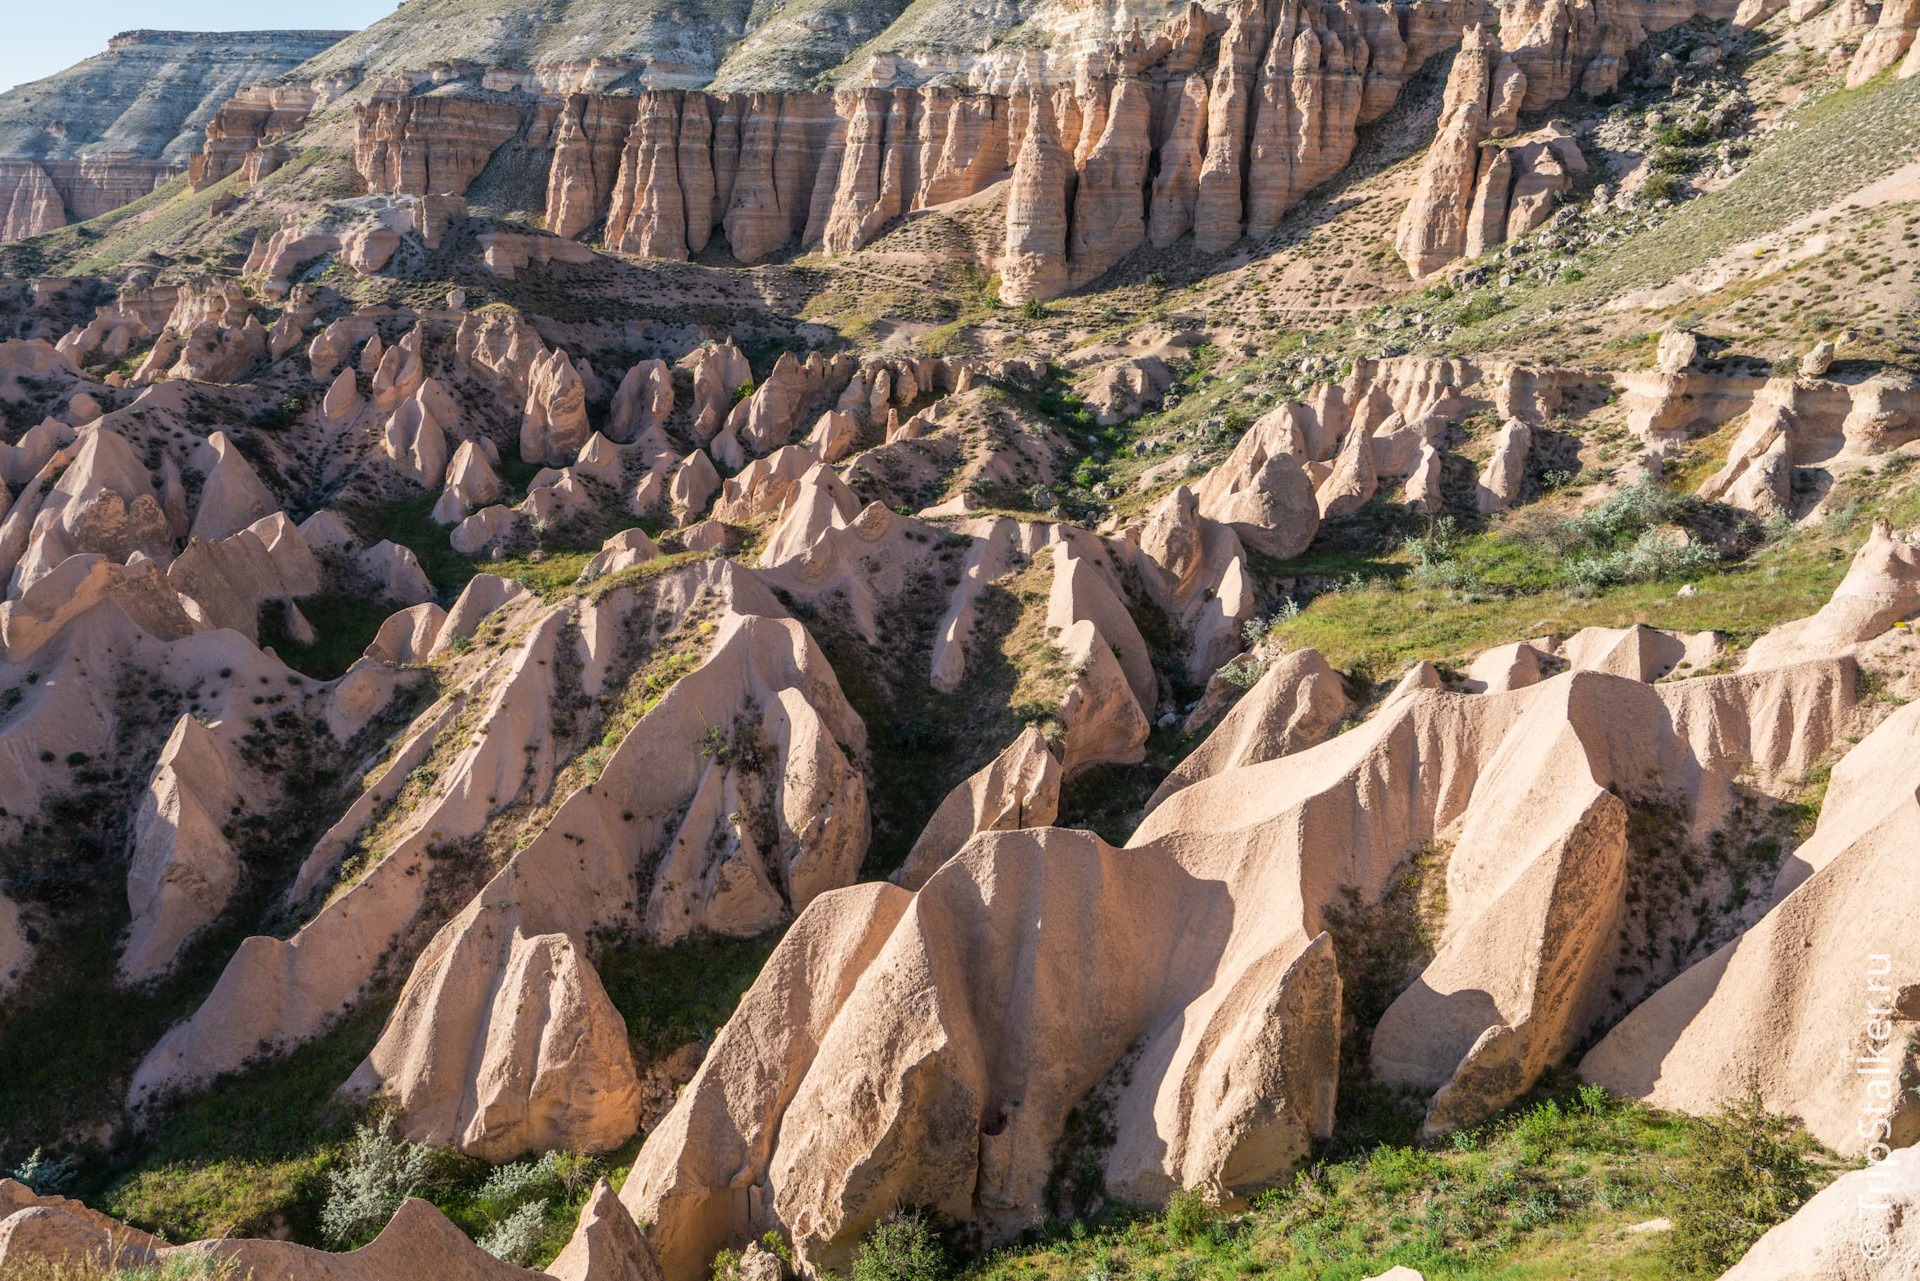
{"points": [[764, 644]]}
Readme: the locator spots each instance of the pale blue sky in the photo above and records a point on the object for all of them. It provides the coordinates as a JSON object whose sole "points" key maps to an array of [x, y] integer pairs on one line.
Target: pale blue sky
{"points": [[41, 37]]}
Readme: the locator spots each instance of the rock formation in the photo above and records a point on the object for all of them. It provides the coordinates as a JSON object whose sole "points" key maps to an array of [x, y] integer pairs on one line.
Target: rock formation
{"points": [[1783, 1002], [428, 146], [1296, 702], [555, 425], [1433, 230], [183, 869], [771, 1098], [550, 1064], [1020, 788]]}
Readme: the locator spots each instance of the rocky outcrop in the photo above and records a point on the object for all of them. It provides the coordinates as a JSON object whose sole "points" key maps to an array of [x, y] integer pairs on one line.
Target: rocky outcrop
{"points": [[1109, 217], [1036, 967], [1433, 230], [1881, 587], [415, 438], [1886, 43], [429, 145], [1262, 489], [1139, 146], [587, 148], [808, 1038], [1504, 477], [642, 403], [471, 484], [735, 776], [247, 124], [29, 202], [1035, 262], [55, 1234], [1019, 788], [549, 1064], [649, 212], [1296, 702], [555, 424], [606, 1244], [184, 870], [1783, 1004]]}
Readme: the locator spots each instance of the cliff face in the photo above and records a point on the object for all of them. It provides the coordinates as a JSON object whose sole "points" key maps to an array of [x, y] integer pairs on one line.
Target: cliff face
{"points": [[109, 129], [253, 120], [29, 202]]}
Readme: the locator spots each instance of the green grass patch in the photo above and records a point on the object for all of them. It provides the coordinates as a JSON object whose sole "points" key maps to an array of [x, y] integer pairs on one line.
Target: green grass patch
{"points": [[1506, 583], [672, 995], [250, 1155], [344, 625], [1547, 1191]]}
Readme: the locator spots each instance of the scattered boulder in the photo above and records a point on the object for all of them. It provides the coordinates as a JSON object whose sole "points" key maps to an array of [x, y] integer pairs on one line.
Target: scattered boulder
{"points": [[1678, 350], [1817, 362]]}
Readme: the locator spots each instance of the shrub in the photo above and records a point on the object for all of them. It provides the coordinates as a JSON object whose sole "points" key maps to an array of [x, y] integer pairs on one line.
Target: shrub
{"points": [[1187, 1215], [1481, 307], [515, 1238], [1433, 559], [902, 1248], [1033, 309], [1636, 507], [1748, 1170], [1659, 187], [380, 1172], [46, 1178], [1652, 557], [509, 1188]]}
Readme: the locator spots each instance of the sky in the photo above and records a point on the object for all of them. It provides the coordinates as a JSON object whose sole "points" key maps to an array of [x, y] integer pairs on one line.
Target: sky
{"points": [[42, 37]]}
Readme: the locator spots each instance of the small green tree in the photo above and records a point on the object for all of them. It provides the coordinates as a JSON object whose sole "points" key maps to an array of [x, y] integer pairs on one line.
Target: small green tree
{"points": [[1747, 1169], [1187, 1215], [380, 1171], [901, 1248]]}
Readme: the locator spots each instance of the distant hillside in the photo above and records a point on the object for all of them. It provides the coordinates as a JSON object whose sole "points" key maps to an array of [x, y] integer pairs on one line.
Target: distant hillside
{"points": [[150, 94]]}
